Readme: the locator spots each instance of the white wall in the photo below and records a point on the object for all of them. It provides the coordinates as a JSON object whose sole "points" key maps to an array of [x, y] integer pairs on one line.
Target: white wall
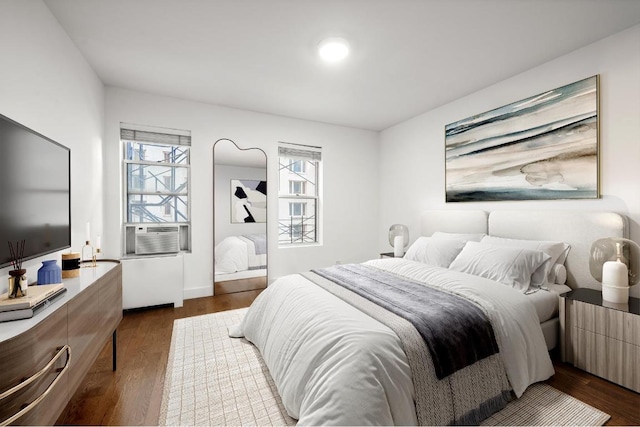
{"points": [[412, 153], [222, 203], [46, 85], [350, 190]]}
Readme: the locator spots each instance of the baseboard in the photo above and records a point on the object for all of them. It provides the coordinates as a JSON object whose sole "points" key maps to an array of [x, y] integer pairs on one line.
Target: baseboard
{"points": [[151, 307], [192, 293]]}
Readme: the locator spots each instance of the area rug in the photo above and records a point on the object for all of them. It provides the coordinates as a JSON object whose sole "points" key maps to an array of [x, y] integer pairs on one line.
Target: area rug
{"points": [[212, 379]]}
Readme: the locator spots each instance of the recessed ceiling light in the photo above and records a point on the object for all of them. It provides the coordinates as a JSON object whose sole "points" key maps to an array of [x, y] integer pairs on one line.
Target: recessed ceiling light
{"points": [[333, 49]]}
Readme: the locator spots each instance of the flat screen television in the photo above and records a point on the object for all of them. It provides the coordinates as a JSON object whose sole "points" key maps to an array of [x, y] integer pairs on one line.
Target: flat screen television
{"points": [[35, 192]]}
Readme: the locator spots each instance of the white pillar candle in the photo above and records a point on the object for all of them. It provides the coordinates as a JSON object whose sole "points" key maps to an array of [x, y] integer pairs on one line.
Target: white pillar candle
{"points": [[398, 246]]}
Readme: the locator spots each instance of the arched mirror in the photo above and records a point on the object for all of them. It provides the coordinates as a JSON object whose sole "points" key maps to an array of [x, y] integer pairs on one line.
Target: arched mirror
{"points": [[239, 218]]}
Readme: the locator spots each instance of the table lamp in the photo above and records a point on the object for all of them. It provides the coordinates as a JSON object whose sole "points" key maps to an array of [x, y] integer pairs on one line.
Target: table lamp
{"points": [[614, 261], [398, 238]]}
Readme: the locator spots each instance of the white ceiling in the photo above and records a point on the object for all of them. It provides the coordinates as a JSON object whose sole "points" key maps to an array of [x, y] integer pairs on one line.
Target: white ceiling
{"points": [[408, 56]]}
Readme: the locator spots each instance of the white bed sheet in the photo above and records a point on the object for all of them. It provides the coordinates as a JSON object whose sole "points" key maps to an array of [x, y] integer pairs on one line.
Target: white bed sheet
{"points": [[546, 301], [334, 365]]}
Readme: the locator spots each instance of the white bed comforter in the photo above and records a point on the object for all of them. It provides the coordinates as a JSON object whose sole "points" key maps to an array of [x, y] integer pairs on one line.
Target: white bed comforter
{"points": [[237, 253], [332, 364]]}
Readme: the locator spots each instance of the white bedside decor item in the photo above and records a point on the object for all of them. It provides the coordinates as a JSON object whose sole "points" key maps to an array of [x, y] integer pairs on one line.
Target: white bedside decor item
{"points": [[398, 246], [614, 261], [399, 239]]}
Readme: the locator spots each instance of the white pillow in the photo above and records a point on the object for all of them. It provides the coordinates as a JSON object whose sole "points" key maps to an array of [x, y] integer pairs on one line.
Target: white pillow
{"points": [[558, 251], [465, 237], [437, 252], [560, 273], [512, 266]]}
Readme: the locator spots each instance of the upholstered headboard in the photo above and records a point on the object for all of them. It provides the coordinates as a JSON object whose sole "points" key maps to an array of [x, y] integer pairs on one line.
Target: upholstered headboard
{"points": [[579, 229], [453, 221]]}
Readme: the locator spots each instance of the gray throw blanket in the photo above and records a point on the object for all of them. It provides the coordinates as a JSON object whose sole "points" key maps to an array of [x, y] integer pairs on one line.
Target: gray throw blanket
{"points": [[456, 331], [259, 241]]}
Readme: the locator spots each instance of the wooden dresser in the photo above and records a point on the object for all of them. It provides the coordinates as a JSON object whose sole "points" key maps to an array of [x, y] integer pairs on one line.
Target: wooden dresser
{"points": [[44, 359], [601, 338]]}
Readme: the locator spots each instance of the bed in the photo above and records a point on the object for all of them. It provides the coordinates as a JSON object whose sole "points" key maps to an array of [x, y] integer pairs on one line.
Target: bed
{"points": [[241, 257], [337, 357]]}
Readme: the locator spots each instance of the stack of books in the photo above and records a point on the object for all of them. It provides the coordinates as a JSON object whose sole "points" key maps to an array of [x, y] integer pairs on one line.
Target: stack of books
{"points": [[38, 298]]}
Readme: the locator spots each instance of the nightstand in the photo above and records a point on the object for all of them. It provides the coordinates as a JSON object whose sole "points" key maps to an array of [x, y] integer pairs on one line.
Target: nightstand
{"points": [[600, 337], [387, 255]]}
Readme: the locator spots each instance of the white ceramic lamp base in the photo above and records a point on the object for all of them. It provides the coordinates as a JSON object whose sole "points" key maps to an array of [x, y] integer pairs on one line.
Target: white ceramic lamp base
{"points": [[398, 246], [615, 282]]}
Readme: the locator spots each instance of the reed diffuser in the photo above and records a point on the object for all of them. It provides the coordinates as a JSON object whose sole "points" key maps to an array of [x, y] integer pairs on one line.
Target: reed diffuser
{"points": [[17, 276]]}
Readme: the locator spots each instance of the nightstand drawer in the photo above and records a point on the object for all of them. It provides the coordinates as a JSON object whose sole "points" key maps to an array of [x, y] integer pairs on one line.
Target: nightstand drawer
{"points": [[604, 321], [606, 357]]}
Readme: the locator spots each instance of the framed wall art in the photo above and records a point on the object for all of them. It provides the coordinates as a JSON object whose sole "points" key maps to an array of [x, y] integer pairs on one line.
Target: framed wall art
{"points": [[248, 200], [544, 147]]}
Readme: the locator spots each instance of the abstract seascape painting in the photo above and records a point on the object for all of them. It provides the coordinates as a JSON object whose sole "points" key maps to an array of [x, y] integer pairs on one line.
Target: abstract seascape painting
{"points": [[541, 148], [248, 200]]}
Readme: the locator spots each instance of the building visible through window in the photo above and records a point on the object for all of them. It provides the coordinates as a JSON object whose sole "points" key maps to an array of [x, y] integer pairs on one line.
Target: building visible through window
{"points": [[156, 174], [299, 173]]}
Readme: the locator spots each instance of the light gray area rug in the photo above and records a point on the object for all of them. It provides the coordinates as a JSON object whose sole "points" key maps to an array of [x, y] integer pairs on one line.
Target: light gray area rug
{"points": [[212, 379]]}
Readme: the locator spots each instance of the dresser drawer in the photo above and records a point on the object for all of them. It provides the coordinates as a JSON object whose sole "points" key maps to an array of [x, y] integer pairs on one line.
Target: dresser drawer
{"points": [[39, 355]]}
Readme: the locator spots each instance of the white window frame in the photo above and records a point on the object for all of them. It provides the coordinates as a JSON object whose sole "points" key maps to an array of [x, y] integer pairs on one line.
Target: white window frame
{"points": [[305, 229], [178, 139]]}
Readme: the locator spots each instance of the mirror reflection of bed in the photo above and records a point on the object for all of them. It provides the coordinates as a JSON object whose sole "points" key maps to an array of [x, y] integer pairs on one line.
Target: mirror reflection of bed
{"points": [[240, 227]]}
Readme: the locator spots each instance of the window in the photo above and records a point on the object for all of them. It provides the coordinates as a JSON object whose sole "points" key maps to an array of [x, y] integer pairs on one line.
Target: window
{"points": [[299, 172], [297, 187], [297, 166], [297, 209], [156, 169], [167, 205]]}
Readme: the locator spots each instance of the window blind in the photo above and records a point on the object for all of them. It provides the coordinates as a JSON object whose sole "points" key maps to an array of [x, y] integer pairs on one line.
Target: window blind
{"points": [[300, 152], [154, 137]]}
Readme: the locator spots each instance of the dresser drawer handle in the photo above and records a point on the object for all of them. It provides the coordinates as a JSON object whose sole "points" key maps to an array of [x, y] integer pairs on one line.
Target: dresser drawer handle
{"points": [[27, 408]]}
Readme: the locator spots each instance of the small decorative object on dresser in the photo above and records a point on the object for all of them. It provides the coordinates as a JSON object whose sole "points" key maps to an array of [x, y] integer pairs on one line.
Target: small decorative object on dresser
{"points": [[49, 273], [70, 265], [17, 283], [601, 337], [614, 261], [17, 287], [398, 238]]}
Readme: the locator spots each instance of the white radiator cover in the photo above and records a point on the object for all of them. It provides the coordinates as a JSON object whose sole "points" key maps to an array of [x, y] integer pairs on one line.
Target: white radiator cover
{"points": [[152, 281]]}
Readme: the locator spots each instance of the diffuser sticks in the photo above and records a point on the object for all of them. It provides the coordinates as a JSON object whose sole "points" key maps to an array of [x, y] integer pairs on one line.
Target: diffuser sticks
{"points": [[17, 254]]}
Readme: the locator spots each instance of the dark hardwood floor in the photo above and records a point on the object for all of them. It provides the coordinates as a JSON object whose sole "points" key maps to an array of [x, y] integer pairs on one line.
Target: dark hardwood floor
{"points": [[241, 285], [132, 394]]}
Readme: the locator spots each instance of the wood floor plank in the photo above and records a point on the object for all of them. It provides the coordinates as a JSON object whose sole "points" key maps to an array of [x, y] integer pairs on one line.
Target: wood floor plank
{"points": [[132, 395], [240, 285]]}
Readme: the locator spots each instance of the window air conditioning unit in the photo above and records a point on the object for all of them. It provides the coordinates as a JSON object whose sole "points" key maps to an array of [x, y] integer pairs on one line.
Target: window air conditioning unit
{"points": [[157, 239]]}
